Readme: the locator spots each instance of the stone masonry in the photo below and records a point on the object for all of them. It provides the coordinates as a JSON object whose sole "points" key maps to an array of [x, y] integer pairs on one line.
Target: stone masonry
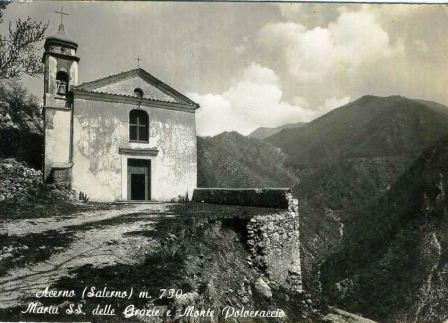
{"points": [[273, 236], [275, 246]]}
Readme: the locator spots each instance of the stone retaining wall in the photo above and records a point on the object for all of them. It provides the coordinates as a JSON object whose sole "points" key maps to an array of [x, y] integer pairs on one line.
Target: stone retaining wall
{"points": [[273, 238], [274, 245]]}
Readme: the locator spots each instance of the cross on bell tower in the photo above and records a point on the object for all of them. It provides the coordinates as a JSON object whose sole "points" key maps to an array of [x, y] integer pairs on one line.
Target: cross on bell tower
{"points": [[62, 13]]}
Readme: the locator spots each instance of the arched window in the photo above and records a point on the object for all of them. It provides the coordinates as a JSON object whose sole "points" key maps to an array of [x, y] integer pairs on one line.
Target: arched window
{"points": [[138, 125], [138, 92], [61, 83]]}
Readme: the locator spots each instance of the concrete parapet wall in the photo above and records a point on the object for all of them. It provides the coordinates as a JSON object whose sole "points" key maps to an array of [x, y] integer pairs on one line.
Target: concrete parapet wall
{"points": [[259, 197]]}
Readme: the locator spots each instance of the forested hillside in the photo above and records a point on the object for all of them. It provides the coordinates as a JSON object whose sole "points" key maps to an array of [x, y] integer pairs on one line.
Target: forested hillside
{"points": [[233, 160], [392, 263]]}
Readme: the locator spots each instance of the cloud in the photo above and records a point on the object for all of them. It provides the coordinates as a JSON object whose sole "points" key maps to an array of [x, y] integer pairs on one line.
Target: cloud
{"points": [[254, 101], [332, 57], [311, 14]]}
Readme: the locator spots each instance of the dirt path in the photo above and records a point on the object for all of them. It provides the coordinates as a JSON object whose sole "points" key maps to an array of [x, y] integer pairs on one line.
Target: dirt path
{"points": [[39, 225], [97, 241]]}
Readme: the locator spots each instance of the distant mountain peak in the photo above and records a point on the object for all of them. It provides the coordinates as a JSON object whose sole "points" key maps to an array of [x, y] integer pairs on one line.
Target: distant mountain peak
{"points": [[370, 97], [264, 132]]}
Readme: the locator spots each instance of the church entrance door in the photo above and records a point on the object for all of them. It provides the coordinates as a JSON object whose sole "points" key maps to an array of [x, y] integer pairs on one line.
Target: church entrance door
{"points": [[139, 179]]}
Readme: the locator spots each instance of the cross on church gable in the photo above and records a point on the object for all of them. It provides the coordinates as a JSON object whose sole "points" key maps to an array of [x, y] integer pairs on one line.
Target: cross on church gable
{"points": [[138, 59]]}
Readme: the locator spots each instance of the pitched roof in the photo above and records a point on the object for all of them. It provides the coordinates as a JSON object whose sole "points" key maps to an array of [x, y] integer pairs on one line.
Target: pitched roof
{"points": [[123, 84]]}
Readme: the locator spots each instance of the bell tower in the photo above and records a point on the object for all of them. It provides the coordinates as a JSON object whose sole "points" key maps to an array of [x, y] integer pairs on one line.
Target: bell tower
{"points": [[60, 75]]}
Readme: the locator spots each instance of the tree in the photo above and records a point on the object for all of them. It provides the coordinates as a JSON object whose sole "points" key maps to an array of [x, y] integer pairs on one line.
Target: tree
{"points": [[21, 133], [18, 48]]}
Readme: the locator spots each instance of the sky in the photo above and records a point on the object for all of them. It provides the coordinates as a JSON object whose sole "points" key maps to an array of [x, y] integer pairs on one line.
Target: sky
{"points": [[253, 65]]}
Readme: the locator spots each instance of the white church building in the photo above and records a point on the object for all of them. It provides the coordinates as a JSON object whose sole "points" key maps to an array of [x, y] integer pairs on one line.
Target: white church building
{"points": [[127, 136]]}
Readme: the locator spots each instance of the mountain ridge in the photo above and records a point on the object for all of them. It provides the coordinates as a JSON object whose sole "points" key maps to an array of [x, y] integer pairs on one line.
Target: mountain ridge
{"points": [[367, 127], [265, 132]]}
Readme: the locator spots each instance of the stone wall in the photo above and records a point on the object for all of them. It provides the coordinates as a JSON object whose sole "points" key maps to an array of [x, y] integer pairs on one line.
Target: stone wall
{"points": [[272, 235], [17, 180], [61, 177], [21, 184], [274, 245], [260, 197]]}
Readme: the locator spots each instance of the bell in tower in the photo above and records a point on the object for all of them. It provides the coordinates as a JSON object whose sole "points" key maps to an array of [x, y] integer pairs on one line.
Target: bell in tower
{"points": [[62, 83]]}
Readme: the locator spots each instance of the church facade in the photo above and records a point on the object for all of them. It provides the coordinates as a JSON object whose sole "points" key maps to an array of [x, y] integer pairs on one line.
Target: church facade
{"points": [[127, 136]]}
